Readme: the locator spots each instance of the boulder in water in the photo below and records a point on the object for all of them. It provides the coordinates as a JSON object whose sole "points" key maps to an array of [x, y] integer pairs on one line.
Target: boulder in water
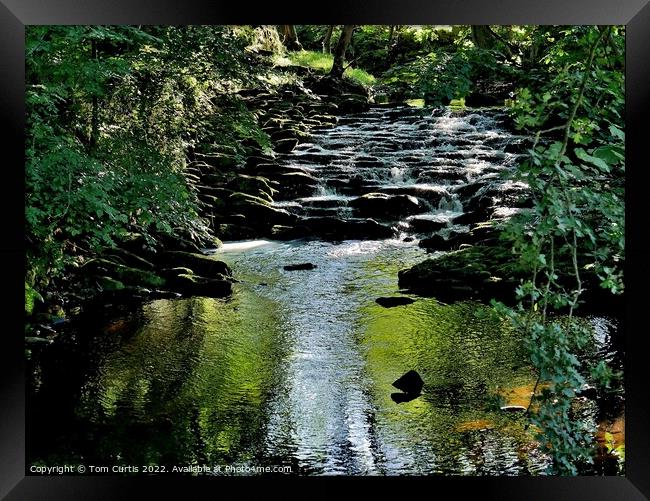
{"points": [[300, 266], [436, 242], [422, 224], [389, 302], [203, 265], [193, 285], [409, 383]]}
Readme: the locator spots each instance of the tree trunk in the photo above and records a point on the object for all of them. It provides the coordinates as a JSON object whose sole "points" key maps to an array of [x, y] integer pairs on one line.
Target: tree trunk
{"points": [[290, 37], [339, 51], [94, 120], [327, 41], [482, 37], [391, 34]]}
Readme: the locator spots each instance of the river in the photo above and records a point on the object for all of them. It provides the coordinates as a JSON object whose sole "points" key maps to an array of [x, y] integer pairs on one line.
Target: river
{"points": [[295, 369]]}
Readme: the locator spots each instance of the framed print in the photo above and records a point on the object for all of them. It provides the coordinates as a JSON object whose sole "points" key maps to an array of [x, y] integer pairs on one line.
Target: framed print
{"points": [[410, 249]]}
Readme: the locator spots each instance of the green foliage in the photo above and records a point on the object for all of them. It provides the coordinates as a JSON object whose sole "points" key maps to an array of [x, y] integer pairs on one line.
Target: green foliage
{"points": [[31, 296], [111, 114], [574, 104]]}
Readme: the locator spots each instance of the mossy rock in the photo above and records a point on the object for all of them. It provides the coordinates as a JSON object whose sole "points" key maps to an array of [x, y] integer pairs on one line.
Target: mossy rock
{"points": [[238, 198], [258, 213], [110, 284], [193, 285], [205, 266], [170, 273], [125, 274], [477, 272], [129, 258], [285, 145], [219, 160], [252, 185]]}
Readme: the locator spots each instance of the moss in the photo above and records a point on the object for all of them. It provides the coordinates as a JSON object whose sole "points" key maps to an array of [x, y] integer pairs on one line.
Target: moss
{"points": [[110, 284], [126, 274], [202, 265]]}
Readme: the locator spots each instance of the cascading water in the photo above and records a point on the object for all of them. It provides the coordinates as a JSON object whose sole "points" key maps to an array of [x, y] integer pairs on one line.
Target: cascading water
{"points": [[428, 154]]}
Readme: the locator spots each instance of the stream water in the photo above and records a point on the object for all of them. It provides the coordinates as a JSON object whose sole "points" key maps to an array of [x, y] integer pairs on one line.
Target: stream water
{"points": [[295, 369]]}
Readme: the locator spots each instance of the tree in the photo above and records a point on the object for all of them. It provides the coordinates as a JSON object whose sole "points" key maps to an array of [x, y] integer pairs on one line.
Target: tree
{"points": [[339, 51], [327, 41], [483, 37], [290, 39]]}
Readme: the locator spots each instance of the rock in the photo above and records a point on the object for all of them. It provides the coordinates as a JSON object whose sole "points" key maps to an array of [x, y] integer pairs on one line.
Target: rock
{"points": [[301, 266], [423, 224], [252, 185], [124, 274], [409, 383], [171, 273], [473, 273], [230, 231], [218, 160], [489, 93], [205, 266], [283, 232], [236, 199], [109, 284], [471, 217], [436, 242], [193, 285], [262, 215], [353, 104], [285, 145], [335, 228], [385, 206], [128, 258], [37, 340], [277, 134], [389, 302], [296, 184]]}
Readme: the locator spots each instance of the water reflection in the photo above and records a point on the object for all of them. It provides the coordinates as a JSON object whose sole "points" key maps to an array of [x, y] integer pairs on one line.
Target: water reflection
{"points": [[270, 378]]}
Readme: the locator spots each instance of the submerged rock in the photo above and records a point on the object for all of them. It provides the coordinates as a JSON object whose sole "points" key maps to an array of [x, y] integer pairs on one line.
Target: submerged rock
{"points": [[389, 302], [301, 266]]}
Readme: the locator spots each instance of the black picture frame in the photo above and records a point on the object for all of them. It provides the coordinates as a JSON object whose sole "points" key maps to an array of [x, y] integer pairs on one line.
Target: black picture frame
{"points": [[15, 14]]}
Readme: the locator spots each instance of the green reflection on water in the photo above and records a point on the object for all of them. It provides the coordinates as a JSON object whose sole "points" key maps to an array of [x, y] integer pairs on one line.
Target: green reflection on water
{"points": [[188, 385]]}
